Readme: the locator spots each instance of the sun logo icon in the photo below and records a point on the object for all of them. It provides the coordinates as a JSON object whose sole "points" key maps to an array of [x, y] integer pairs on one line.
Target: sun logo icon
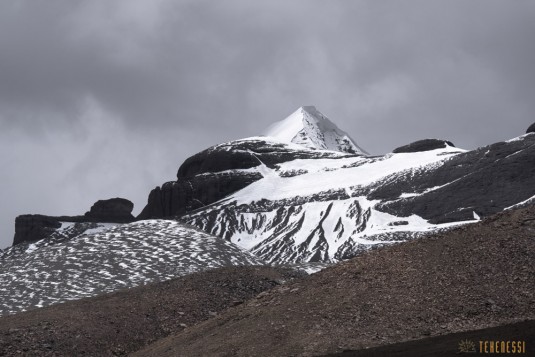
{"points": [[467, 346]]}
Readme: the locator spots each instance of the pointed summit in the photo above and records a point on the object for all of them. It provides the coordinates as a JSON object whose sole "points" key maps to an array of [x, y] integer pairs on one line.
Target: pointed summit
{"points": [[311, 129]]}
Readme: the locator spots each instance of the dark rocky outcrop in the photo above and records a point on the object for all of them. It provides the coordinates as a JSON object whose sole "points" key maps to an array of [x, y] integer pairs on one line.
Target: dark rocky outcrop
{"points": [[423, 145], [184, 195], [214, 160], [114, 210], [217, 172], [531, 129], [33, 227], [490, 178]]}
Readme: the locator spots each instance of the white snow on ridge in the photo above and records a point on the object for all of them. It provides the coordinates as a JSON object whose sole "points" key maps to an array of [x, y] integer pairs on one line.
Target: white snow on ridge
{"points": [[311, 129], [338, 177], [520, 204], [518, 138], [100, 228]]}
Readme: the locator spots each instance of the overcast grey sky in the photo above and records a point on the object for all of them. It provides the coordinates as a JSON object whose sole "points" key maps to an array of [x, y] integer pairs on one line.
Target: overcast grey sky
{"points": [[102, 98]]}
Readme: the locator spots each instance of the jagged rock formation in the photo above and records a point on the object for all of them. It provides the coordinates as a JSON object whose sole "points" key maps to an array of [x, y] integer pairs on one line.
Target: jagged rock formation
{"points": [[114, 210], [423, 145], [34, 227], [31, 227]]}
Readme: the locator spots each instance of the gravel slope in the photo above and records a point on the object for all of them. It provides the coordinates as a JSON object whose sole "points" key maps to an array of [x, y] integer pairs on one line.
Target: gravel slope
{"points": [[124, 321]]}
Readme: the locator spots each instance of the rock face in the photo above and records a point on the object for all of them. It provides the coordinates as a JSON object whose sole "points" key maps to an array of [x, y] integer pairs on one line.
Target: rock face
{"points": [[423, 145], [531, 129], [31, 227], [217, 172], [34, 227], [114, 210]]}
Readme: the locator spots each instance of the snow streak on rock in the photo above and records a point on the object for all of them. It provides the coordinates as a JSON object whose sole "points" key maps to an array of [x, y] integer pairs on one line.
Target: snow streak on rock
{"points": [[321, 214]]}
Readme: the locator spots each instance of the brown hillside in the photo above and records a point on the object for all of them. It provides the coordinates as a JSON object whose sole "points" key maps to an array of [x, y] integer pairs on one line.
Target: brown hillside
{"points": [[122, 322]]}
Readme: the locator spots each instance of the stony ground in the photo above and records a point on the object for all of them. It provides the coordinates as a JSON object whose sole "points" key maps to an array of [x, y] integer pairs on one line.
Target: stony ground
{"points": [[471, 278], [125, 321]]}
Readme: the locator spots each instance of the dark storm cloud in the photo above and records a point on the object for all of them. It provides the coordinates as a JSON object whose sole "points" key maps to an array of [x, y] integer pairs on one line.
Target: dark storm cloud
{"points": [[101, 98]]}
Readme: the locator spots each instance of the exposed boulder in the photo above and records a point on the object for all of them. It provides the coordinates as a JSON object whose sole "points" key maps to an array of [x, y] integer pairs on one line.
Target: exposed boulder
{"points": [[423, 145], [531, 129], [113, 210], [32, 227]]}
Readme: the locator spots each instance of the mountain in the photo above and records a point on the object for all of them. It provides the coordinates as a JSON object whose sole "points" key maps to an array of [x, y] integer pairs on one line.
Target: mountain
{"points": [[315, 205], [305, 194], [33, 227], [317, 209], [311, 129]]}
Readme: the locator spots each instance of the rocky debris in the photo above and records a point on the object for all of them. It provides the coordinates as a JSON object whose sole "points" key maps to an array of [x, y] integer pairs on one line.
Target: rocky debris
{"points": [[119, 323], [531, 129], [469, 278], [423, 145], [32, 227], [113, 210], [217, 172]]}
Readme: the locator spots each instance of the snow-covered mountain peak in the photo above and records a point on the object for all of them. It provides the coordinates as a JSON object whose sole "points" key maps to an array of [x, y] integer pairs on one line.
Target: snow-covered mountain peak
{"points": [[308, 127]]}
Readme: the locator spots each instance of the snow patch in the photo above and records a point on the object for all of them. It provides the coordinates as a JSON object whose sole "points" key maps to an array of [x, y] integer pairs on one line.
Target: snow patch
{"points": [[311, 129]]}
